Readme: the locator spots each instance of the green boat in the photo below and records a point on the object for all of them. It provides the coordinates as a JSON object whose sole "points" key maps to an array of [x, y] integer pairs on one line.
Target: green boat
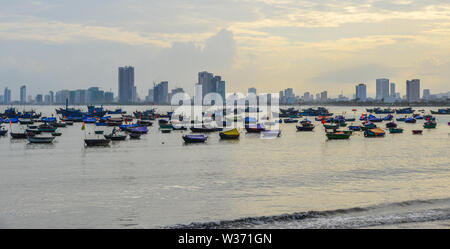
{"points": [[429, 125], [350, 119], [395, 130], [330, 126], [401, 119], [338, 135], [47, 128], [342, 124], [165, 126]]}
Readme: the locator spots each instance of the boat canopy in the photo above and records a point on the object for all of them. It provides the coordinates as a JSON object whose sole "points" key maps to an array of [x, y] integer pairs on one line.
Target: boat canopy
{"points": [[377, 131]]}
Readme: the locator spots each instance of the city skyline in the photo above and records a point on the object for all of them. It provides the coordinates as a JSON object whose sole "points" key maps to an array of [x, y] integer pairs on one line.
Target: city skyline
{"points": [[268, 45]]}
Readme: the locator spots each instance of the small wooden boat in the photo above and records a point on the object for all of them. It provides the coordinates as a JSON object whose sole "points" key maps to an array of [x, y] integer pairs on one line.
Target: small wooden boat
{"points": [[395, 130], [116, 137], [166, 126], [204, 129], [417, 132], [350, 119], [18, 135], [410, 121], [56, 134], [354, 128], [47, 128], [290, 120], [377, 132], [334, 127], [305, 127], [33, 131], [135, 135], [100, 141], [430, 125], [195, 138], [145, 122], [338, 135], [40, 139], [141, 130], [166, 130], [391, 125], [26, 121], [231, 134]]}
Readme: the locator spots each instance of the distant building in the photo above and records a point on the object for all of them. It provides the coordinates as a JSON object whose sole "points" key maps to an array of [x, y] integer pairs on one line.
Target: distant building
{"points": [[61, 96], [413, 90], [382, 89], [307, 96], [47, 99], [109, 97], [52, 97], [126, 84], [317, 96], [392, 90], [7, 96], [324, 96], [160, 93], [23, 94], [361, 92], [211, 84], [39, 99], [198, 94], [426, 94], [95, 95], [150, 95], [252, 90]]}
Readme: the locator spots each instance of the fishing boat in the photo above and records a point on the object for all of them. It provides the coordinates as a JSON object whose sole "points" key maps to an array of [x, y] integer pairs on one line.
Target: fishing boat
{"points": [[391, 125], [33, 131], [383, 111], [395, 130], [354, 128], [40, 139], [342, 124], [98, 141], [231, 134], [179, 128], [144, 122], [305, 127], [388, 117], [116, 111], [47, 128], [25, 121], [374, 119], [410, 121], [334, 127], [430, 125], [135, 135], [18, 135], [195, 138], [417, 132], [102, 123], [408, 110], [350, 119], [116, 136], [59, 125], [255, 128], [68, 122], [441, 111], [127, 127], [377, 132], [50, 120], [11, 120], [166, 130], [400, 119], [140, 130], [3, 131], [99, 132], [290, 120], [369, 125], [337, 135], [56, 134], [89, 120], [165, 126], [204, 129]]}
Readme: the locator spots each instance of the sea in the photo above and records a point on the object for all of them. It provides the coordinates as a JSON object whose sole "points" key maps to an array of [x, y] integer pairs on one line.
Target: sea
{"points": [[298, 180]]}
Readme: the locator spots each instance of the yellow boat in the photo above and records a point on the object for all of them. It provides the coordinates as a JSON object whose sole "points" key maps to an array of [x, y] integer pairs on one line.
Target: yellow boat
{"points": [[231, 134]]}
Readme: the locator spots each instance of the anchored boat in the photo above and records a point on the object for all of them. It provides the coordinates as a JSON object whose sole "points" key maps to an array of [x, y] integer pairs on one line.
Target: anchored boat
{"points": [[195, 138], [231, 134]]}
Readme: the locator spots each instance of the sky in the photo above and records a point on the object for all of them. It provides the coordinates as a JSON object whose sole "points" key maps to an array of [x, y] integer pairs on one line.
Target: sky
{"points": [[271, 45]]}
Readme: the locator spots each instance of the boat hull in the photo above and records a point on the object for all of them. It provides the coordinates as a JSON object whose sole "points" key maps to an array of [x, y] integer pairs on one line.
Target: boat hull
{"points": [[41, 140], [97, 142]]}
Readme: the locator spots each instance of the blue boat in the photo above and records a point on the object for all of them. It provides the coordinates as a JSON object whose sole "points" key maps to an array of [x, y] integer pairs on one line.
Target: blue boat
{"points": [[195, 138], [11, 120], [88, 120], [374, 119], [408, 110], [354, 128], [48, 120], [410, 121], [128, 126], [139, 130], [388, 117], [116, 111], [101, 124]]}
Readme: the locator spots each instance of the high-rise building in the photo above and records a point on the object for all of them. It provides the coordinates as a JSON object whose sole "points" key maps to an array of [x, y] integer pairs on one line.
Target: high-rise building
{"points": [[39, 99], [7, 96], [382, 89], [52, 97], [23, 94], [392, 89], [361, 92], [198, 94], [252, 90], [413, 90], [426, 94], [205, 79], [109, 97], [324, 96], [47, 99], [160, 93], [126, 84], [306, 96]]}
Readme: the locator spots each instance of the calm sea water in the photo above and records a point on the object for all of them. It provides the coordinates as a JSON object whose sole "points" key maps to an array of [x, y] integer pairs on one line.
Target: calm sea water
{"points": [[299, 180]]}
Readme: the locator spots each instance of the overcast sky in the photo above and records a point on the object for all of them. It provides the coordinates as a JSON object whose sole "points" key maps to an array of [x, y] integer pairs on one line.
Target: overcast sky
{"points": [[269, 44]]}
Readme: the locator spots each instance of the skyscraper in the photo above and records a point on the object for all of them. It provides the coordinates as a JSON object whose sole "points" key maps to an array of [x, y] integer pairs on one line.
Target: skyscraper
{"points": [[252, 90], [392, 89], [382, 89], [413, 90], [205, 79], [23, 94], [361, 92], [160, 93], [7, 96], [426, 94], [324, 96], [126, 84]]}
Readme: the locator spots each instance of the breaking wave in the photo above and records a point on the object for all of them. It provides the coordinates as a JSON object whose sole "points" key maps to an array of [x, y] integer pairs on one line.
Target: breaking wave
{"points": [[357, 217]]}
